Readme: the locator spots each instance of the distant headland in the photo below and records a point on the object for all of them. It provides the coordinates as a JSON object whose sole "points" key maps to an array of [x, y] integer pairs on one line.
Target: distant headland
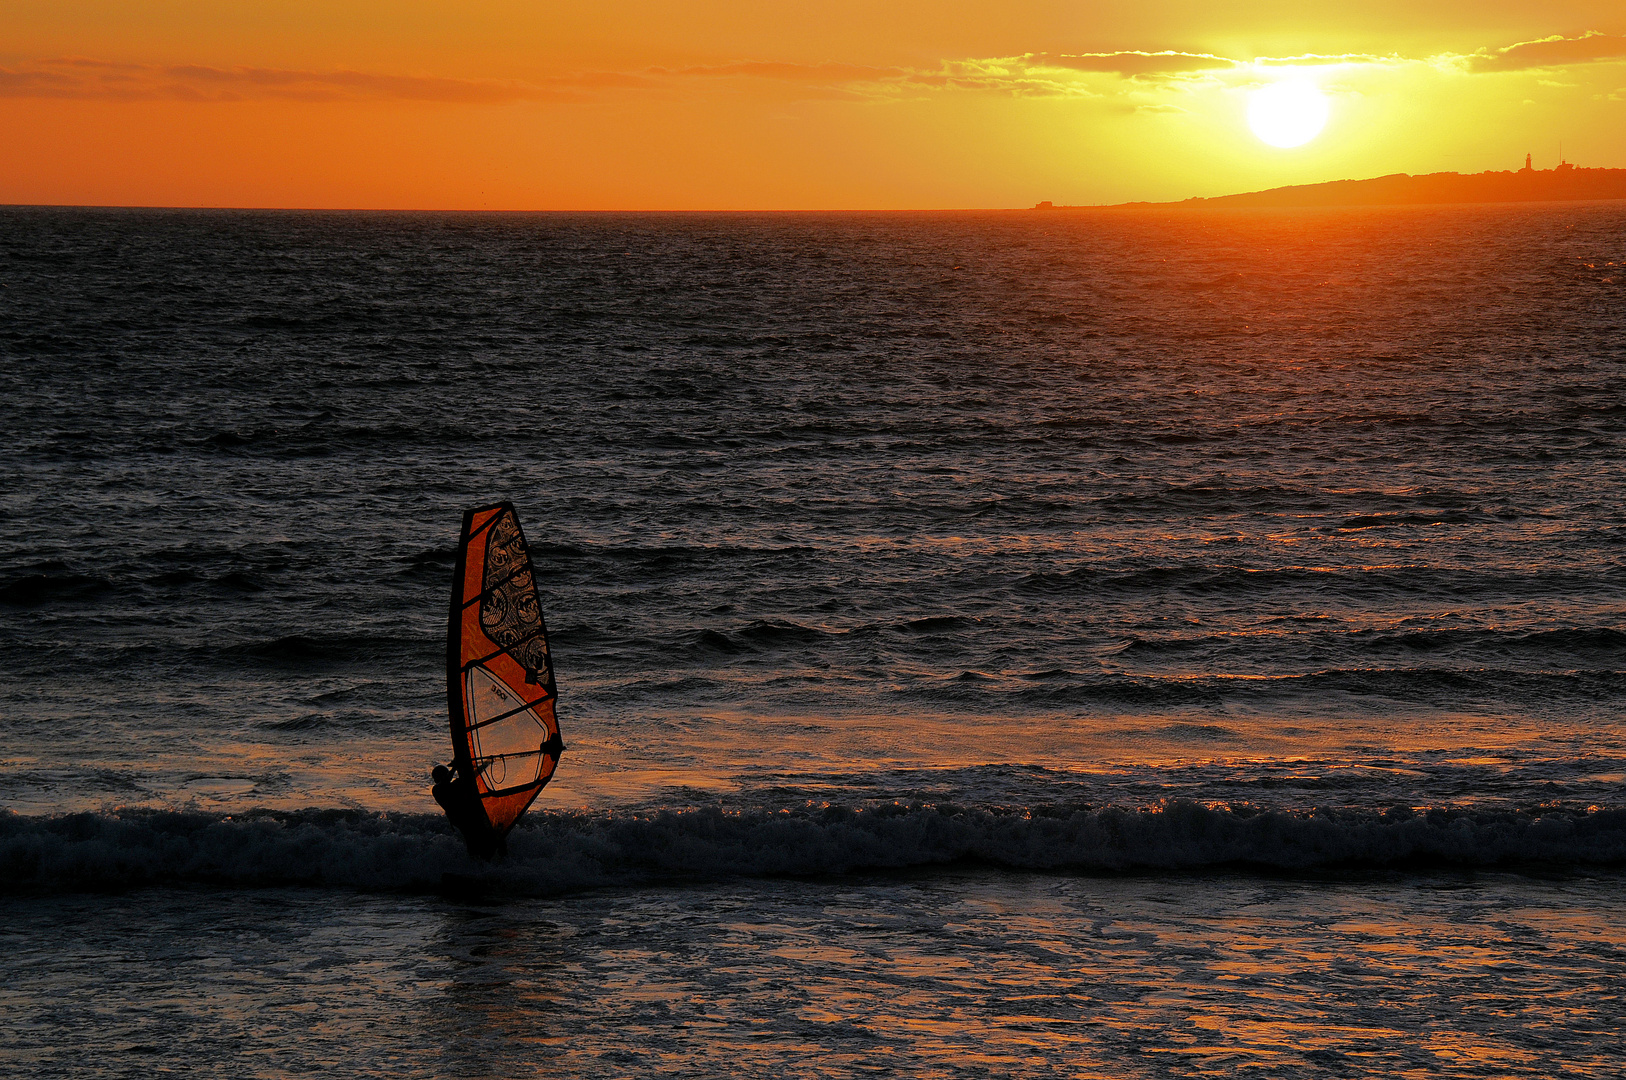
{"points": [[1564, 183]]}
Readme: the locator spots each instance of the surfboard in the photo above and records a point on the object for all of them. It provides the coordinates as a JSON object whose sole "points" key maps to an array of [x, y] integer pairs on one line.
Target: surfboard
{"points": [[500, 689]]}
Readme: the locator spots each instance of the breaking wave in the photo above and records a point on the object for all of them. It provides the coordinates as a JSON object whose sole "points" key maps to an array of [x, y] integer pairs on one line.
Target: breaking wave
{"points": [[556, 852]]}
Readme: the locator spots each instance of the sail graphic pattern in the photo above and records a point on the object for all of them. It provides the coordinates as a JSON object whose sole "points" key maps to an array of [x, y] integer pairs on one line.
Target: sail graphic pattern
{"points": [[500, 687], [510, 611]]}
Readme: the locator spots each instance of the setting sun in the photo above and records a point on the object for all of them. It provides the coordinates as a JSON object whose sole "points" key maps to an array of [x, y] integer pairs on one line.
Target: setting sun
{"points": [[1287, 114], [834, 104]]}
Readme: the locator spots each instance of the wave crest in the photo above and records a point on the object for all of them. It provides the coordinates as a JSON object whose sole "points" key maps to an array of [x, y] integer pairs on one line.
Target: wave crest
{"points": [[556, 852]]}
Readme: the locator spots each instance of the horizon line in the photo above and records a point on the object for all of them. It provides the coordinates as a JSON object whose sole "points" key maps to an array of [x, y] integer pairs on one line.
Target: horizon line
{"points": [[1042, 204]]}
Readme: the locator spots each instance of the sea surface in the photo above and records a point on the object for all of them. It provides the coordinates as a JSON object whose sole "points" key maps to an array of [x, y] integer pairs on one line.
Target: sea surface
{"points": [[1133, 644]]}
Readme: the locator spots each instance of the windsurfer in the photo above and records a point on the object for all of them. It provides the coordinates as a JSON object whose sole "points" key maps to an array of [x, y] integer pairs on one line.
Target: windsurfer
{"points": [[457, 795]]}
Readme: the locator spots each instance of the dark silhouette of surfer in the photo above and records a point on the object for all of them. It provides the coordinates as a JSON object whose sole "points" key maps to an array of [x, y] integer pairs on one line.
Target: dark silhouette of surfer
{"points": [[460, 799]]}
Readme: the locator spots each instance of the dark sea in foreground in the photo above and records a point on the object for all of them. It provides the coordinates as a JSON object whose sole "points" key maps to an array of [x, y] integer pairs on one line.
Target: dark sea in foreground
{"points": [[1136, 645]]}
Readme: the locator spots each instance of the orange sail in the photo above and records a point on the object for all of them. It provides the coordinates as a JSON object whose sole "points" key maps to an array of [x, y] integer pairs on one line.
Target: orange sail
{"points": [[499, 676]]}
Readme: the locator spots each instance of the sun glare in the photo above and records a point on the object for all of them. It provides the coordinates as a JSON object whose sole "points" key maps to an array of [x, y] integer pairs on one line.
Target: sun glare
{"points": [[1288, 113]]}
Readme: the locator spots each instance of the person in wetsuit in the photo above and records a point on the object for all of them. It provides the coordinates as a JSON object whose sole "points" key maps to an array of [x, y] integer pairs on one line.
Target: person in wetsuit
{"points": [[458, 796]]}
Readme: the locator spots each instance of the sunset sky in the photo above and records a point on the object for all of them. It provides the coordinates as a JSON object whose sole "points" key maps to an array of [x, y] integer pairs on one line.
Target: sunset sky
{"points": [[634, 104]]}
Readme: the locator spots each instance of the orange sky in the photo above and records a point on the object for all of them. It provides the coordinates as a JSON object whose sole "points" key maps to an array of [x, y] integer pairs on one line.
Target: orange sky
{"points": [[726, 104]]}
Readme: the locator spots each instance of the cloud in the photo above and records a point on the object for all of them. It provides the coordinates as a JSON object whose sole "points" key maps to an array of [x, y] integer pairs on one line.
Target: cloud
{"points": [[1128, 73], [1328, 59], [88, 79], [1555, 51], [82, 78], [1015, 75], [1131, 63], [763, 69], [1026, 75]]}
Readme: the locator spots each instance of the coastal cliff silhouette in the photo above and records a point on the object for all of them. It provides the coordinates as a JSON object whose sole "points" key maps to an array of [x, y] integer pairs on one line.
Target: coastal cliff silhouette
{"points": [[1565, 183]]}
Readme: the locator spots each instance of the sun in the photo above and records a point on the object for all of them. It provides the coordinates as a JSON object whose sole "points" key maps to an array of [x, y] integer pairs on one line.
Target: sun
{"points": [[1287, 113]]}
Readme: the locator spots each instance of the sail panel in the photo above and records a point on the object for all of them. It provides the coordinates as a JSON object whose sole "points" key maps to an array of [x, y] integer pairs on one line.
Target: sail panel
{"points": [[500, 687]]}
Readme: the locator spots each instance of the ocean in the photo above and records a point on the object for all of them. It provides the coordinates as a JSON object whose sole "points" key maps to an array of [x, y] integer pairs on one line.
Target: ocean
{"points": [[1130, 644]]}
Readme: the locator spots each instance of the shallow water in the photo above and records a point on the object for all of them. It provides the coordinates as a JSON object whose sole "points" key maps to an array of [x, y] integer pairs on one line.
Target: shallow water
{"points": [[956, 547], [945, 974]]}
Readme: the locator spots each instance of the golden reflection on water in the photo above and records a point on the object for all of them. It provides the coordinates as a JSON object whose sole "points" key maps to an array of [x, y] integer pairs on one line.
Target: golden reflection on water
{"points": [[942, 974], [1018, 975]]}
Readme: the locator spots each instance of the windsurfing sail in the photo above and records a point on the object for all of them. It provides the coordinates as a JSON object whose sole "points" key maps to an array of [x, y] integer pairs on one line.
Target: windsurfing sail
{"points": [[499, 676]]}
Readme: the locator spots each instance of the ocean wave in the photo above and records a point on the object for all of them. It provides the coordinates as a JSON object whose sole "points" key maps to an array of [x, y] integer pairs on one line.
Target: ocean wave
{"points": [[556, 852], [1446, 686], [1567, 642], [1202, 579], [1363, 522], [758, 636], [50, 582], [310, 651], [1560, 647]]}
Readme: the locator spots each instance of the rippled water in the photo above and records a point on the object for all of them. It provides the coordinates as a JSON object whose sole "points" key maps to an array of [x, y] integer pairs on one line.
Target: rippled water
{"points": [[950, 974], [1164, 542]]}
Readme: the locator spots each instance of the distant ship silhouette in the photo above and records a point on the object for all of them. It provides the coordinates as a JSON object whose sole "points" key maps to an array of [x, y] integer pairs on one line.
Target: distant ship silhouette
{"points": [[1562, 183]]}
